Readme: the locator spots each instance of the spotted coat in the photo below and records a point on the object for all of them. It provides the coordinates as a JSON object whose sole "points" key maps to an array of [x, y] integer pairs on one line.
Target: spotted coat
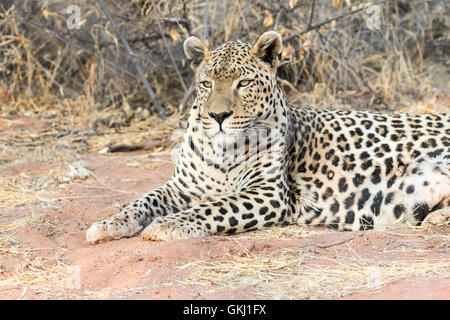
{"points": [[250, 160]]}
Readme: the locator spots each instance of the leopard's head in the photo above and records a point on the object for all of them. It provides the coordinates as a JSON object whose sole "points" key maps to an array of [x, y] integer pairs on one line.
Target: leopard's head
{"points": [[235, 82]]}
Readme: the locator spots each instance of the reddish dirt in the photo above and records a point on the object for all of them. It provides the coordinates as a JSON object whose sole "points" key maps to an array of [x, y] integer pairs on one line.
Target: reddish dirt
{"points": [[137, 269]]}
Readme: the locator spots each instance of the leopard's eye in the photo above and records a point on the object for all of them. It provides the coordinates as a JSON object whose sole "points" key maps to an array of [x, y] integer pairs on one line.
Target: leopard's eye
{"points": [[244, 83], [206, 84]]}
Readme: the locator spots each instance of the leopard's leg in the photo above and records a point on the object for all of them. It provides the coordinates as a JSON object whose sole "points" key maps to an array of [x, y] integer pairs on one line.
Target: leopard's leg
{"points": [[133, 218], [227, 215]]}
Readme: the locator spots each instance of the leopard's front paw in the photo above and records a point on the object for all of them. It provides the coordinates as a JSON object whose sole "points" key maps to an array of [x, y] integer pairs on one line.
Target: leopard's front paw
{"points": [[110, 230], [160, 230], [97, 232]]}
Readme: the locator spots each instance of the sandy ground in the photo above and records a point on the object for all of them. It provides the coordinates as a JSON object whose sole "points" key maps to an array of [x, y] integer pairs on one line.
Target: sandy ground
{"points": [[44, 254]]}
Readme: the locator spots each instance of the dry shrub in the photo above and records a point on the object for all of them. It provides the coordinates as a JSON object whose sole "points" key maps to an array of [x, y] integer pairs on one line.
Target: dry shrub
{"points": [[46, 67]]}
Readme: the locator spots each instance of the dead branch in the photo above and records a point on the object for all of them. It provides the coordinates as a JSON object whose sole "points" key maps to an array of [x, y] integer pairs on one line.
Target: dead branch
{"points": [[172, 59], [311, 14], [338, 243], [185, 22], [337, 17], [205, 23], [186, 97], [241, 25], [136, 61], [353, 69], [56, 35], [62, 88]]}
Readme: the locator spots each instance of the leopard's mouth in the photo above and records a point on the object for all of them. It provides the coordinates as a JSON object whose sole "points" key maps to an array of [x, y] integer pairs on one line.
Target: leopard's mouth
{"points": [[221, 133], [234, 129]]}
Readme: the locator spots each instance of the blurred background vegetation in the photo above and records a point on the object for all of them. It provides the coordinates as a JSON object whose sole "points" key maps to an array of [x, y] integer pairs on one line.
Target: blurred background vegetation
{"points": [[86, 78]]}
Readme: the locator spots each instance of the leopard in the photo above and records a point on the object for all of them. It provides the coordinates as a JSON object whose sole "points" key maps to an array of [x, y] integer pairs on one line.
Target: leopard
{"points": [[250, 160]]}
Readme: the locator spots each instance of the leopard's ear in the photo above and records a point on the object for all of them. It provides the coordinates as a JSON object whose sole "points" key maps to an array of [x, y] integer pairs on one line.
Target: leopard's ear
{"points": [[196, 51], [268, 48]]}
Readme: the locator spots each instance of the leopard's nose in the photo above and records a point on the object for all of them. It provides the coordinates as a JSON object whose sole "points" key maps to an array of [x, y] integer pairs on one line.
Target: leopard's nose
{"points": [[220, 117]]}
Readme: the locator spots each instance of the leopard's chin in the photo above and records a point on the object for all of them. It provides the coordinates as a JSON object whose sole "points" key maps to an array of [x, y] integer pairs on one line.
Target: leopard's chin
{"points": [[221, 137]]}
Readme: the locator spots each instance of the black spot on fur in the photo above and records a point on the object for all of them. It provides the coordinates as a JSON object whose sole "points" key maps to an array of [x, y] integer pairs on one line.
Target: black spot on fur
{"points": [[234, 207], [388, 162], [358, 179], [375, 178], [334, 208], [248, 205], [377, 201], [251, 224], [410, 189], [366, 223], [270, 216], [349, 201], [389, 198], [399, 210], [328, 193], [391, 181], [364, 155], [275, 203], [335, 223], [350, 217], [233, 221], [365, 195], [366, 164], [420, 211], [343, 186]]}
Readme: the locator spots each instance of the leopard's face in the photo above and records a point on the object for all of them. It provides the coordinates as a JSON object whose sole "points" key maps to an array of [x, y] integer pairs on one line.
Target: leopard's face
{"points": [[234, 83]]}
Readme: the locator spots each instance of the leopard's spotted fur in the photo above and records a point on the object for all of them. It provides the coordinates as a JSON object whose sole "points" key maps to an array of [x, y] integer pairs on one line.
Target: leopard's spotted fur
{"points": [[250, 160]]}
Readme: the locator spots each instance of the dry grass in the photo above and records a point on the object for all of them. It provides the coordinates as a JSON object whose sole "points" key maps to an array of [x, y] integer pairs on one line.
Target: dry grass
{"points": [[14, 193], [299, 274], [307, 272], [431, 106], [35, 268], [293, 231], [44, 186], [36, 265]]}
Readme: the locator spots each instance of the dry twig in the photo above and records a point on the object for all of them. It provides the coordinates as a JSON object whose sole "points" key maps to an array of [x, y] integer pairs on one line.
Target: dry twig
{"points": [[136, 61], [337, 17]]}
